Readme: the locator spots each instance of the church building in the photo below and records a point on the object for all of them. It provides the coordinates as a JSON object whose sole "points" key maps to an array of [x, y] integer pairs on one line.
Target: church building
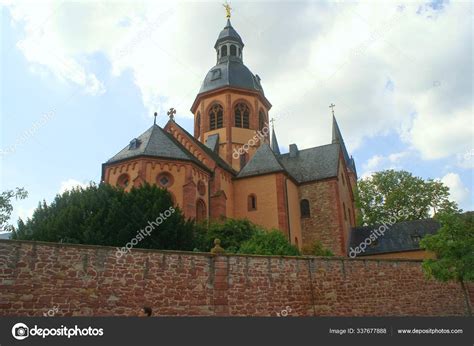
{"points": [[229, 167]]}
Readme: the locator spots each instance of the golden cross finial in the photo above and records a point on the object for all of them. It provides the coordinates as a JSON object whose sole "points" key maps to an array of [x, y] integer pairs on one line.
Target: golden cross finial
{"points": [[227, 9], [332, 105], [171, 113]]}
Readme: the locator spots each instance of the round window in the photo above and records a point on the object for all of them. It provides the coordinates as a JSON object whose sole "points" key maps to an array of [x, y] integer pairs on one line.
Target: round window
{"points": [[164, 180], [123, 180]]}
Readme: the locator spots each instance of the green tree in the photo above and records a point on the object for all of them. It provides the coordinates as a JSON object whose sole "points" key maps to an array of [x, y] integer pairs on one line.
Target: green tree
{"points": [[6, 207], [316, 249], [105, 215], [268, 243], [231, 232], [390, 194], [453, 246]]}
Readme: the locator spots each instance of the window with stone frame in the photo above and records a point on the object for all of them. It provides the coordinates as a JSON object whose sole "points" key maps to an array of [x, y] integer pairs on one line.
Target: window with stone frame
{"points": [[216, 114], [304, 208], [242, 115], [252, 202]]}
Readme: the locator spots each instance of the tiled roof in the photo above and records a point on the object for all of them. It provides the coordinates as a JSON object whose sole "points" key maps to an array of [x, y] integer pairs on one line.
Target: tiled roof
{"points": [[312, 164], [155, 142], [401, 236], [263, 161]]}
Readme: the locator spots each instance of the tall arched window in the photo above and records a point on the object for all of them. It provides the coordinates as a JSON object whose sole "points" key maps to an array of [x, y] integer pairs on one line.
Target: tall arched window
{"points": [[224, 51], [261, 120], [304, 207], [233, 50], [252, 202], [242, 114], [200, 210], [197, 132], [344, 208], [215, 117]]}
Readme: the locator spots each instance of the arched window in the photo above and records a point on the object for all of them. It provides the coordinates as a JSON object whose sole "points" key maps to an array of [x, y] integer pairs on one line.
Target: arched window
{"points": [[215, 117], [252, 202], [344, 208], [123, 180], [200, 210], [224, 51], [261, 120], [197, 132], [242, 113], [343, 181], [233, 50], [350, 215], [304, 207]]}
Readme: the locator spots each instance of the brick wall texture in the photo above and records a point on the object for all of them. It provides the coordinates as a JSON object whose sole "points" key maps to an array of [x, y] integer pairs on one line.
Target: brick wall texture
{"points": [[74, 280]]}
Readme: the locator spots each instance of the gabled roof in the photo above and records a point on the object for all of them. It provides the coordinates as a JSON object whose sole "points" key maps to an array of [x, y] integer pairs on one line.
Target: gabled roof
{"points": [[155, 142], [401, 236], [264, 161], [312, 164], [219, 161]]}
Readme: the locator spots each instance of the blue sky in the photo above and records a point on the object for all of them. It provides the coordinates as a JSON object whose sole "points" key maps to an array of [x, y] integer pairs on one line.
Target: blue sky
{"points": [[79, 80]]}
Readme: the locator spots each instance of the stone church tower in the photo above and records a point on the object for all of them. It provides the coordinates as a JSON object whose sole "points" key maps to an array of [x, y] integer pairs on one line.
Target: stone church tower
{"points": [[231, 104], [229, 168]]}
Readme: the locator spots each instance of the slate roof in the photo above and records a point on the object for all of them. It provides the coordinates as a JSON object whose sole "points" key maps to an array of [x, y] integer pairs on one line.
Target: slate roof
{"points": [[275, 147], [228, 33], [230, 72], [263, 161], [156, 142], [337, 138], [312, 164], [220, 162], [399, 237], [212, 141]]}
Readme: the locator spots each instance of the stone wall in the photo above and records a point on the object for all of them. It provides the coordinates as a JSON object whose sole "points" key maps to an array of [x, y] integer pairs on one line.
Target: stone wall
{"points": [[75, 280]]}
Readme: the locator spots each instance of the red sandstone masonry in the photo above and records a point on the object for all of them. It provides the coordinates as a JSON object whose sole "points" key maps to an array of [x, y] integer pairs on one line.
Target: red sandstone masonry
{"points": [[90, 280]]}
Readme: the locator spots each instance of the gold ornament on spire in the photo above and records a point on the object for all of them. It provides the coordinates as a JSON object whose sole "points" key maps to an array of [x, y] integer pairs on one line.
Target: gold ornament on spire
{"points": [[227, 9]]}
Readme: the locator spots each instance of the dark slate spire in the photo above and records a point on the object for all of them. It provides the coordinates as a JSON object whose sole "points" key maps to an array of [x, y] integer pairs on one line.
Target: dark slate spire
{"points": [[274, 143], [229, 34], [263, 161], [337, 139]]}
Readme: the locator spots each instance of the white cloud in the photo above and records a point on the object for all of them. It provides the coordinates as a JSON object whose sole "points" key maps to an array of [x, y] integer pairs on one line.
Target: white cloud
{"points": [[380, 162], [458, 191], [70, 184], [25, 213], [387, 68]]}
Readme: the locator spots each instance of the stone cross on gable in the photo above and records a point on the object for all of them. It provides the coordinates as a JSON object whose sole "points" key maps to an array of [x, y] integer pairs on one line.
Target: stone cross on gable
{"points": [[171, 113]]}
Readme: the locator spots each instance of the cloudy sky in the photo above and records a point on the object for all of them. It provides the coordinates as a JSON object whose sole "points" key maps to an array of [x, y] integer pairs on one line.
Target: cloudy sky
{"points": [[81, 79]]}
